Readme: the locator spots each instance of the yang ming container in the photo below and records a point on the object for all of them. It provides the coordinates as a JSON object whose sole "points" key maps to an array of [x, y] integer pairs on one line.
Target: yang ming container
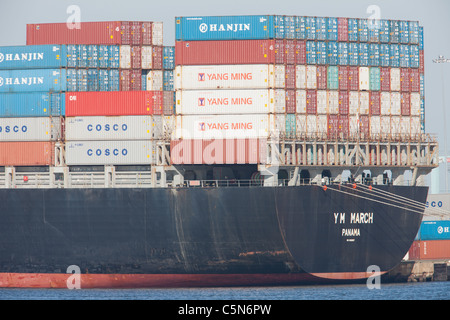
{"points": [[225, 27], [33, 104], [30, 57], [138, 152], [230, 77], [108, 128], [33, 80]]}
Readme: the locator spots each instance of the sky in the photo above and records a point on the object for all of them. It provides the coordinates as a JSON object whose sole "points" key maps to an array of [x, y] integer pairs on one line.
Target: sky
{"points": [[433, 15]]}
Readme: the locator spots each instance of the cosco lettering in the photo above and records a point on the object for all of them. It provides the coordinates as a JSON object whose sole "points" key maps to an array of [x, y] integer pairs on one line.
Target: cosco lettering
{"points": [[16, 129], [107, 152]]}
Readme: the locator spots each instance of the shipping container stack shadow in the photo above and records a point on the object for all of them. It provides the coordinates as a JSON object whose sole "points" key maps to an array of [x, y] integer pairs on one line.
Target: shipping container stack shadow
{"points": [[98, 92], [323, 79]]}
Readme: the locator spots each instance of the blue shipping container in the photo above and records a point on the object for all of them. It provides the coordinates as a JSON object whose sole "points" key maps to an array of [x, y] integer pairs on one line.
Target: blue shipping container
{"points": [[434, 230], [92, 80], [72, 80], [414, 56], [321, 28], [374, 30], [333, 53], [279, 27], [384, 55], [321, 52], [395, 31], [92, 56], [343, 53], [395, 55], [363, 30], [114, 57], [404, 56], [332, 29], [353, 54], [311, 52], [310, 28], [414, 32], [224, 27], [374, 54], [420, 38], [385, 30], [404, 31], [33, 104], [82, 80], [72, 55], [300, 28], [169, 58], [289, 27], [363, 54], [33, 80], [168, 80], [82, 56], [31, 57], [422, 85], [353, 29]]}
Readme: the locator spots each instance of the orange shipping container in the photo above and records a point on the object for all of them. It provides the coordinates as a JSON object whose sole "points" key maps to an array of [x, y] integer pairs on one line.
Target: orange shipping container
{"points": [[430, 250], [27, 153]]}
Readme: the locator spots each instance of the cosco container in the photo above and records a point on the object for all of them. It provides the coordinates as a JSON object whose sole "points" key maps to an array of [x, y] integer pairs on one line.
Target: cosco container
{"points": [[108, 128], [118, 103], [218, 151], [226, 101], [34, 104], [230, 77], [30, 129], [33, 80], [109, 152], [30, 57], [98, 33], [226, 27], [27, 153]]}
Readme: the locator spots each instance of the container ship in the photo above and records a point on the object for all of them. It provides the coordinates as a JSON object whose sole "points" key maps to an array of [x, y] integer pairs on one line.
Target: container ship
{"points": [[259, 150]]}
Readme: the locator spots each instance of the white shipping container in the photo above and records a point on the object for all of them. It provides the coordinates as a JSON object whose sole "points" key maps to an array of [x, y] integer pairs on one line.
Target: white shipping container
{"points": [[364, 102], [311, 77], [353, 123], [254, 76], [301, 124], [300, 77], [109, 152], [363, 78], [405, 126], [322, 124], [395, 79], [280, 101], [30, 129], [353, 102], [385, 125], [147, 57], [223, 126], [301, 101], [375, 125], [108, 128], [415, 104], [125, 57], [311, 126], [322, 102], [155, 80], [280, 76], [395, 125], [385, 103], [280, 124], [157, 33], [415, 125], [230, 101], [333, 102], [395, 103]]}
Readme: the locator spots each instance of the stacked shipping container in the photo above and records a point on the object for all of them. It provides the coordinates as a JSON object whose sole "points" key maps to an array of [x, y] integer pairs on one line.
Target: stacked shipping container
{"points": [[432, 241], [349, 77]]}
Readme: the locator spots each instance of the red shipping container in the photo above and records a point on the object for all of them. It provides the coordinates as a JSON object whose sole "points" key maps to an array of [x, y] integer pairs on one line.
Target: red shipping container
{"points": [[322, 77], [300, 52], [280, 57], [36, 153], [168, 102], [364, 125], [405, 103], [343, 78], [311, 101], [344, 101], [385, 79], [421, 62], [375, 103], [353, 78], [344, 126], [106, 33], [115, 103], [430, 250], [218, 151], [343, 29], [333, 126], [225, 52], [290, 101], [415, 80], [405, 81], [290, 76], [289, 49], [125, 80], [136, 57], [135, 80], [157, 62], [147, 28]]}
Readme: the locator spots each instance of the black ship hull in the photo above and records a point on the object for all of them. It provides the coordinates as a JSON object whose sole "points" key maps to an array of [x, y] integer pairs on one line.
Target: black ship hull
{"points": [[166, 237]]}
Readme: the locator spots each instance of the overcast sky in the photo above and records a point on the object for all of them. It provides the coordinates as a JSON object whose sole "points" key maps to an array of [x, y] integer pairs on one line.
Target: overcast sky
{"points": [[433, 15]]}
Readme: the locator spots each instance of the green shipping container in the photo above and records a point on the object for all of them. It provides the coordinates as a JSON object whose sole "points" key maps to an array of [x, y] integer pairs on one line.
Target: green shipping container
{"points": [[333, 78], [374, 81], [291, 124]]}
